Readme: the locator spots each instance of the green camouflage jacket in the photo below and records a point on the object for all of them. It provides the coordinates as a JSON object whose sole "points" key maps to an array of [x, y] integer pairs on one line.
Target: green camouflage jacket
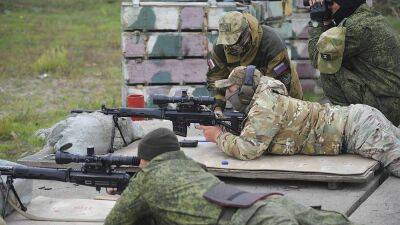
{"points": [[370, 72], [267, 53], [170, 190], [279, 124]]}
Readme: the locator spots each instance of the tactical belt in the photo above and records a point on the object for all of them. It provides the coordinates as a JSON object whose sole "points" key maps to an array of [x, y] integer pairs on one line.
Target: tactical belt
{"points": [[232, 198]]}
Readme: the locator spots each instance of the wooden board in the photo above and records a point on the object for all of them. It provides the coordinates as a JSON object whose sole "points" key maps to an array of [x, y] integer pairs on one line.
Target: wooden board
{"points": [[305, 70], [64, 208], [294, 28], [165, 71], [344, 200], [342, 168], [382, 207], [187, 71], [167, 44], [310, 85], [173, 15], [298, 49], [193, 15]]}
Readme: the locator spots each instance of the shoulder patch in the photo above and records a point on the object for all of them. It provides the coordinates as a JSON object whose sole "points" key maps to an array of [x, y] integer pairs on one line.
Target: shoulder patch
{"points": [[211, 64]]}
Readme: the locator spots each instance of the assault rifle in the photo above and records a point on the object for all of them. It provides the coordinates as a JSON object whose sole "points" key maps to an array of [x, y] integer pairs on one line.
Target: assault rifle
{"points": [[96, 171], [188, 110]]}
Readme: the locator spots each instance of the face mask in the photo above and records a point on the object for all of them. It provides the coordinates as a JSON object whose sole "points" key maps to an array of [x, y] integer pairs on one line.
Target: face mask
{"points": [[242, 45], [347, 8], [237, 104]]}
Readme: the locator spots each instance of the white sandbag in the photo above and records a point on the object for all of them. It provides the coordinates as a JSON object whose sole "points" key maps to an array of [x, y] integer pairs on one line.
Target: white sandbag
{"points": [[22, 186], [86, 130]]}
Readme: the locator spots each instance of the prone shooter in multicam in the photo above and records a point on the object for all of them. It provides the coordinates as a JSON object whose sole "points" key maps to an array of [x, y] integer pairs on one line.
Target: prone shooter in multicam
{"points": [[279, 124]]}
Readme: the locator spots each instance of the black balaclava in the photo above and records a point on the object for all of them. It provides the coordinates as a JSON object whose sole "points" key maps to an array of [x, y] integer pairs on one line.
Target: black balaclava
{"points": [[347, 7]]}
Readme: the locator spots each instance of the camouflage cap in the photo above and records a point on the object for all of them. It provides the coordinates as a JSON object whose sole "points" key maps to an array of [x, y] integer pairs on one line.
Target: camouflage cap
{"points": [[330, 48], [231, 25], [237, 77]]}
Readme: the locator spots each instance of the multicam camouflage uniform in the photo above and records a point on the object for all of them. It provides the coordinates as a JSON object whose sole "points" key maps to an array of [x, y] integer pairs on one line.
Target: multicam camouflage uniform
{"points": [[268, 53], [279, 124], [169, 190], [370, 71]]}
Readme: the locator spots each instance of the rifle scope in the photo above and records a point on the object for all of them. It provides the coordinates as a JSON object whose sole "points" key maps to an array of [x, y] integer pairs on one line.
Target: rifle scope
{"points": [[201, 100], [108, 159]]}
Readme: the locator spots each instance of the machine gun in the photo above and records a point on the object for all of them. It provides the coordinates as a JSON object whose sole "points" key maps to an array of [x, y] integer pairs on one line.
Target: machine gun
{"points": [[96, 171], [188, 110]]}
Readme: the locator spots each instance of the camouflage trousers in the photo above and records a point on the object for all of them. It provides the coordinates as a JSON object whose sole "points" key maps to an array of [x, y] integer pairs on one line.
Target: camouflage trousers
{"points": [[345, 88], [370, 134], [284, 211]]}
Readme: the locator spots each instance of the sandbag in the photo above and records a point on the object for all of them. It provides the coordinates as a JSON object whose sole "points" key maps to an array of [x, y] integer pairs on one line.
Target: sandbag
{"points": [[22, 186], [86, 130]]}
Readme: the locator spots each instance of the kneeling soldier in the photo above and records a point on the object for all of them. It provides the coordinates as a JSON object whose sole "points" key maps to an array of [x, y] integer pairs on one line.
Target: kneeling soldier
{"points": [[173, 189], [279, 124]]}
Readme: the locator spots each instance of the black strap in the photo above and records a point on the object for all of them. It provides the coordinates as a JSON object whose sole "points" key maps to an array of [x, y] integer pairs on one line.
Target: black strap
{"points": [[226, 215], [248, 79]]}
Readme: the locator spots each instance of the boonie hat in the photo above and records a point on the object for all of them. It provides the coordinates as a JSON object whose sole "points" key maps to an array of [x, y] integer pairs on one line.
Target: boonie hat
{"points": [[330, 48]]}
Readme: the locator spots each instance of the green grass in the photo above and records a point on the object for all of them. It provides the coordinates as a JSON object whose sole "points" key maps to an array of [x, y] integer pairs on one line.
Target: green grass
{"points": [[76, 43]]}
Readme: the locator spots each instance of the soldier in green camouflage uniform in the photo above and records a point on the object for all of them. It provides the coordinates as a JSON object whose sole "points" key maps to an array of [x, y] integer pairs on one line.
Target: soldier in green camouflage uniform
{"points": [[281, 125], [370, 70], [243, 41], [169, 189]]}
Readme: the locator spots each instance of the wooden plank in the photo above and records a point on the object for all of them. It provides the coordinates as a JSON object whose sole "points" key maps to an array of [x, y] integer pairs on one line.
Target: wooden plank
{"points": [[298, 49], [165, 71], [305, 70], [306, 193], [295, 28], [313, 193], [353, 168], [382, 207], [173, 16], [64, 208], [166, 44], [274, 10], [310, 85]]}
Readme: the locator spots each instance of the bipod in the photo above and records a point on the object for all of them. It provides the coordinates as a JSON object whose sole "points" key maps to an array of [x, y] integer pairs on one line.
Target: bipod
{"points": [[10, 186], [116, 125]]}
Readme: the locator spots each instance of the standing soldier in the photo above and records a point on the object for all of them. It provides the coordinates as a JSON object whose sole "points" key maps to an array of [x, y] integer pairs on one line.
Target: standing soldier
{"points": [[366, 69], [243, 41], [171, 189]]}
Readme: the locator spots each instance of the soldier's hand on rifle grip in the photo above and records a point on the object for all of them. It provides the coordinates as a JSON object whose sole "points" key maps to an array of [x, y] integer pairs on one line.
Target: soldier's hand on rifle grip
{"points": [[218, 112], [211, 133], [113, 191]]}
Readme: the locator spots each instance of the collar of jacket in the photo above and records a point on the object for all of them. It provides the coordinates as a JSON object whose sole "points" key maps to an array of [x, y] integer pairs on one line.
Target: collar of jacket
{"points": [[256, 36], [362, 8], [164, 157]]}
